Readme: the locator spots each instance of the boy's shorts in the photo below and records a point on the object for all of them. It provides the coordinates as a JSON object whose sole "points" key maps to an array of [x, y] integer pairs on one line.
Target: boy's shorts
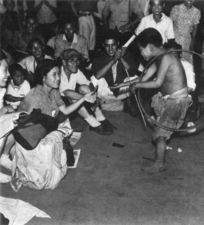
{"points": [[170, 113]]}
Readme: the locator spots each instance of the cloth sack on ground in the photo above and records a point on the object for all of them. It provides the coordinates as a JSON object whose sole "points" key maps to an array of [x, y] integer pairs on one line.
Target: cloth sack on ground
{"points": [[42, 167], [19, 212]]}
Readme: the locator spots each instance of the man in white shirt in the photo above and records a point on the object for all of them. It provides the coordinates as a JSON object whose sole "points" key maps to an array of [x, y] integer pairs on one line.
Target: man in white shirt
{"points": [[70, 77], [157, 20]]}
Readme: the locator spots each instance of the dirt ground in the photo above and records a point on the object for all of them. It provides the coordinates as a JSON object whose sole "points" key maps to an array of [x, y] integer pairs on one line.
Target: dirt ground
{"points": [[108, 186]]}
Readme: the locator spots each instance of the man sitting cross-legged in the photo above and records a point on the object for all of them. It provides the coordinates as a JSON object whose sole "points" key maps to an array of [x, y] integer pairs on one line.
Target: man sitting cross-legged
{"points": [[113, 66], [70, 77]]}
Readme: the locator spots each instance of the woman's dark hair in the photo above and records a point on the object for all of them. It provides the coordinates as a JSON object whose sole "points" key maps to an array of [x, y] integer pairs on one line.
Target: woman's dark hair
{"points": [[16, 67], [29, 46], [43, 68], [2, 55], [149, 36]]}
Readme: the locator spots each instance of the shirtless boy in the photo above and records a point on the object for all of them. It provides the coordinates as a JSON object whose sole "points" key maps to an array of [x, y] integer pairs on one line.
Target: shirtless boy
{"points": [[172, 101]]}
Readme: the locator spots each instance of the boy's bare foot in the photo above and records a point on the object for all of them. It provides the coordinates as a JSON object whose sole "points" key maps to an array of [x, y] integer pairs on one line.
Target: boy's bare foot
{"points": [[155, 168]]}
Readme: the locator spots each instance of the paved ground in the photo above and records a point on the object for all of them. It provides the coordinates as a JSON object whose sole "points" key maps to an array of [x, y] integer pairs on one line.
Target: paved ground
{"points": [[108, 186]]}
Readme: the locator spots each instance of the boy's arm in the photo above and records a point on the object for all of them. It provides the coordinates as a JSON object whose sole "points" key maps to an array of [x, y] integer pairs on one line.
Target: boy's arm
{"points": [[150, 72], [162, 71], [193, 34]]}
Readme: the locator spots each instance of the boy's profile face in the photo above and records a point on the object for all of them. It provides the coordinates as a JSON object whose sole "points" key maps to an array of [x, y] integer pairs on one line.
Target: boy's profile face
{"points": [[146, 52], [4, 73], [18, 78], [156, 6], [31, 24], [111, 46]]}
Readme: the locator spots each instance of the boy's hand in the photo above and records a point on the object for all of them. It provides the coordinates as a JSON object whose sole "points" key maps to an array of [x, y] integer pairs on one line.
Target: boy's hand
{"points": [[90, 97], [133, 88]]}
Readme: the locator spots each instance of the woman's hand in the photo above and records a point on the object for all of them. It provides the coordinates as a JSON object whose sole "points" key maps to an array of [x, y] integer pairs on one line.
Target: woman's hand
{"points": [[9, 109], [90, 97], [116, 86]]}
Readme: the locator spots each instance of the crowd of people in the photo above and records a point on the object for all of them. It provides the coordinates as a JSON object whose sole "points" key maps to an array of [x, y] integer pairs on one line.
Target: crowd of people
{"points": [[68, 56]]}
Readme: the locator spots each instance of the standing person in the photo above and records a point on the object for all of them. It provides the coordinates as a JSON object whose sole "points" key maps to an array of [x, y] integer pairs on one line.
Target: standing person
{"points": [[172, 101], [185, 20], [84, 11], [46, 10], [120, 12], [70, 77], [22, 38], [157, 20]]}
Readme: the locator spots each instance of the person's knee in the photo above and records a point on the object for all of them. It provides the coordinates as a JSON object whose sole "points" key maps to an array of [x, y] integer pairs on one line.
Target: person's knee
{"points": [[84, 89]]}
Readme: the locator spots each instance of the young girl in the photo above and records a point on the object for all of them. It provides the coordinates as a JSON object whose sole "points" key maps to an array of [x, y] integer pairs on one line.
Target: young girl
{"points": [[18, 87]]}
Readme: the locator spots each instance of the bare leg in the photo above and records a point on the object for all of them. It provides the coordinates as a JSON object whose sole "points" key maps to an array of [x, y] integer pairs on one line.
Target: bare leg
{"points": [[2, 144], [159, 165]]}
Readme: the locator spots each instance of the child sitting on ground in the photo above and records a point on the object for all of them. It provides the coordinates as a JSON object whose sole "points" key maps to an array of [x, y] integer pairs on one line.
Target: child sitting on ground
{"points": [[18, 87]]}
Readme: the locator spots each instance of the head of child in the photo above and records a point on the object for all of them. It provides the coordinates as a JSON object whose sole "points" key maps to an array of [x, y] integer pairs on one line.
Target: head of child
{"points": [[36, 48], [31, 23], [71, 59], [48, 74], [9, 4], [111, 42], [17, 74], [150, 43], [157, 7], [4, 73]]}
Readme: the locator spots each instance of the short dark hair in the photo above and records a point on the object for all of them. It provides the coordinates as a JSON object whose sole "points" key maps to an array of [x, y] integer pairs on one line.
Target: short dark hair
{"points": [[43, 68], [111, 34], [2, 55], [150, 3], [16, 67], [29, 46], [149, 36], [31, 16]]}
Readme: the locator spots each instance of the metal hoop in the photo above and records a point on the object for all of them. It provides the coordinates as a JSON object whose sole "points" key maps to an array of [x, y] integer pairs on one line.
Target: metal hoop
{"points": [[139, 95]]}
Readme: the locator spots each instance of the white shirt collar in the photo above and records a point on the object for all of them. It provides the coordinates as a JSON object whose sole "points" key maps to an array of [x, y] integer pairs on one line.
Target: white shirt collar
{"points": [[75, 39]]}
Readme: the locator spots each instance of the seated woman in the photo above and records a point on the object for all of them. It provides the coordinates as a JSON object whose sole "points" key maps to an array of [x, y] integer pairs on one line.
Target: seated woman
{"points": [[4, 74], [45, 96]]}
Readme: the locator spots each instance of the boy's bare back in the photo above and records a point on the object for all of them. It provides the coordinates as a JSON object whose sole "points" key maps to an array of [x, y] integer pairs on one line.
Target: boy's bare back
{"points": [[170, 70]]}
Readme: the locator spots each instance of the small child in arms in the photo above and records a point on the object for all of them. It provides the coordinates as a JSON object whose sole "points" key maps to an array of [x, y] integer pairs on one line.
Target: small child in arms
{"points": [[18, 87], [172, 100]]}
